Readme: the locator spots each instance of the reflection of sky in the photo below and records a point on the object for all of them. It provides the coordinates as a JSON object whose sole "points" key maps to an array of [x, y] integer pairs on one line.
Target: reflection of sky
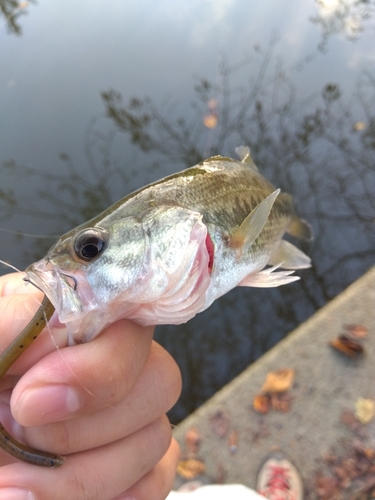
{"points": [[51, 76], [71, 51]]}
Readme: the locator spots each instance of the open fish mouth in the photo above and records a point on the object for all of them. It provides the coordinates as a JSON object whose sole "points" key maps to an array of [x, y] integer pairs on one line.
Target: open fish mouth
{"points": [[62, 289]]}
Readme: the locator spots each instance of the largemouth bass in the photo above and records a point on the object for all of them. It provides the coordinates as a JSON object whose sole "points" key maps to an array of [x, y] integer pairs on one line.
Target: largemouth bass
{"points": [[161, 255], [165, 252]]}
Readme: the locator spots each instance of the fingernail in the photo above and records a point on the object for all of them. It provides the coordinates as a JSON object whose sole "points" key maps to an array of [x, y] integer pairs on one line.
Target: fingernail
{"points": [[47, 404], [15, 494]]}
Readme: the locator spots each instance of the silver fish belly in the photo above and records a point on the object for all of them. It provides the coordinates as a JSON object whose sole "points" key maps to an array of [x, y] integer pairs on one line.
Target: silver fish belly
{"points": [[167, 251]]}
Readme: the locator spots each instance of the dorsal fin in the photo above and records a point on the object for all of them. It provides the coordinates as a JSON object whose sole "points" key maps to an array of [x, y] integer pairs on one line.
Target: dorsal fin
{"points": [[301, 229], [244, 155]]}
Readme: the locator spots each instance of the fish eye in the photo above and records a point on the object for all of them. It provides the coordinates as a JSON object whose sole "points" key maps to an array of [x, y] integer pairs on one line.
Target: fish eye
{"points": [[90, 243]]}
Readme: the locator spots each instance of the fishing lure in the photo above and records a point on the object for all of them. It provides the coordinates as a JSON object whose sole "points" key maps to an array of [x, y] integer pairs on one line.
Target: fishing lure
{"points": [[7, 358]]}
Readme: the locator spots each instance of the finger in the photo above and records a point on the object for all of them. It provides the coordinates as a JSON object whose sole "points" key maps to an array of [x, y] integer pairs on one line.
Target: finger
{"points": [[154, 393], [157, 483], [14, 283], [99, 474], [85, 378]]}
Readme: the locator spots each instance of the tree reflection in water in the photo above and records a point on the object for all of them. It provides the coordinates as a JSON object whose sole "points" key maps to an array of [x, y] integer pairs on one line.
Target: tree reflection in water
{"points": [[12, 10], [314, 148]]}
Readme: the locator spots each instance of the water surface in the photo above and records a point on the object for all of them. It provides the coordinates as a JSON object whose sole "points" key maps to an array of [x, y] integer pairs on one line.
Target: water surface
{"points": [[97, 99]]}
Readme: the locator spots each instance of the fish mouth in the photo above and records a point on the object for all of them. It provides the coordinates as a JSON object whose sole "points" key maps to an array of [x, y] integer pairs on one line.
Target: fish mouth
{"points": [[60, 288]]}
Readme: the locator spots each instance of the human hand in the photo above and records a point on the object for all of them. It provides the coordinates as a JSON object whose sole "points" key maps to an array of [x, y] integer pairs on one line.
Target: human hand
{"points": [[101, 405]]}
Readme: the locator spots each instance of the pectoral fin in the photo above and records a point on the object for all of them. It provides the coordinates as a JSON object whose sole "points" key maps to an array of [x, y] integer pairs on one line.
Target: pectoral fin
{"points": [[251, 227], [268, 278], [289, 257]]}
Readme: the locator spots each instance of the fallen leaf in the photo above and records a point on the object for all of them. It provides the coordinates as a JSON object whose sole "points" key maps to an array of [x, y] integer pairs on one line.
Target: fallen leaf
{"points": [[233, 442], [361, 449], [358, 126], [278, 381], [358, 331], [347, 346], [191, 468], [219, 422], [349, 474], [364, 410], [348, 418], [212, 104], [327, 486], [261, 403], [280, 402], [369, 486], [192, 439], [262, 431], [210, 120]]}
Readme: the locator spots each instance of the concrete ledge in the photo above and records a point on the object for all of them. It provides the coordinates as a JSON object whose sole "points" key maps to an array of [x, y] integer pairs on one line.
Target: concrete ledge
{"points": [[326, 384]]}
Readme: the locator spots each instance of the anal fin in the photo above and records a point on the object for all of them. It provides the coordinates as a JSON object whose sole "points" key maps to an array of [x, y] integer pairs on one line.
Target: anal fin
{"points": [[290, 256]]}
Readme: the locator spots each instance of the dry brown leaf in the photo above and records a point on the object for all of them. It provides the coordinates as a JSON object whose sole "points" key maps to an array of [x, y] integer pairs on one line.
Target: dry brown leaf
{"points": [[191, 468], [365, 410], [278, 381], [192, 439], [358, 126], [280, 403], [361, 449], [358, 331], [219, 423], [261, 403], [210, 120], [233, 441], [348, 418], [348, 346], [327, 487]]}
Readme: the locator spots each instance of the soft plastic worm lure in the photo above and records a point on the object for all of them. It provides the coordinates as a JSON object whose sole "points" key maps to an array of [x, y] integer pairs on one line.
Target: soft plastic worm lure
{"points": [[7, 358]]}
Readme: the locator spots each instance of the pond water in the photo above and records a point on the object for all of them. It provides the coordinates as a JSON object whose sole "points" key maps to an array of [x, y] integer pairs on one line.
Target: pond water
{"points": [[99, 98]]}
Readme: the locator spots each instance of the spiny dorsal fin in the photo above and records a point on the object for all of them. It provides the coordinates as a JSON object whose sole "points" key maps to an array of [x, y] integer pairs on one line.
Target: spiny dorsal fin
{"points": [[244, 155], [251, 227]]}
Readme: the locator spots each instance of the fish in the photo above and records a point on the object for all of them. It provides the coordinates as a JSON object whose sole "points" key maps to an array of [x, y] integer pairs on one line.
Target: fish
{"points": [[167, 251], [161, 255]]}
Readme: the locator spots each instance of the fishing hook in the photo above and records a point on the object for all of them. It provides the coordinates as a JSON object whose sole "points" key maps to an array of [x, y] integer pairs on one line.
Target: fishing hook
{"points": [[73, 278]]}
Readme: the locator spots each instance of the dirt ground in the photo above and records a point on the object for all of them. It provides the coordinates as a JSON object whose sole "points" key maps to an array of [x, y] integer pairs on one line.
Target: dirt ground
{"points": [[322, 418]]}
